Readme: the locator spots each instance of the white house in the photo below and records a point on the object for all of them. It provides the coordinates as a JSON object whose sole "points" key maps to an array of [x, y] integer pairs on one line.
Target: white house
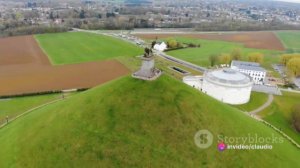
{"points": [[253, 69], [160, 46]]}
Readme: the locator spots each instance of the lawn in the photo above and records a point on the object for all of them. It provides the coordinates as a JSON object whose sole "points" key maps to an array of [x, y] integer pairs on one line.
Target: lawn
{"points": [[279, 113], [76, 47], [200, 56], [290, 39], [257, 99], [134, 123], [15, 106]]}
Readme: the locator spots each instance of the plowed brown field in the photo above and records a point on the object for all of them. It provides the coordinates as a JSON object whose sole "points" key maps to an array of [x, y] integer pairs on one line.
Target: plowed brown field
{"points": [[24, 68], [258, 40]]}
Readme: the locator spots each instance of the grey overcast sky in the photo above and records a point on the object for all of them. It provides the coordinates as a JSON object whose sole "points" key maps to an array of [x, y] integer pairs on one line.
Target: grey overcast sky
{"points": [[297, 1]]}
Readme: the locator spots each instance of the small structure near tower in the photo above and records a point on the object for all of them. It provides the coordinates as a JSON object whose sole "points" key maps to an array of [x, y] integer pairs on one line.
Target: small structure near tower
{"points": [[147, 70]]}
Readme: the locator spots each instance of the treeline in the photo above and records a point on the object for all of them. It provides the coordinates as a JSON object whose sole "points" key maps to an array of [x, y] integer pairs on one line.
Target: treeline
{"points": [[229, 25], [292, 63], [35, 29], [236, 54]]}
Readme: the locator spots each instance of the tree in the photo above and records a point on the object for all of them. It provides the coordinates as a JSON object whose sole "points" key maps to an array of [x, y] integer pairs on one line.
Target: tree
{"points": [[82, 14], [172, 43], [225, 58], [284, 59], [256, 57], [153, 44], [293, 66], [51, 16], [213, 59], [296, 117], [236, 54]]}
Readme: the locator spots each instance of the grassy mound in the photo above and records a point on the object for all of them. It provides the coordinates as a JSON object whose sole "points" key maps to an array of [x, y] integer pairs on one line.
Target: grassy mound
{"points": [[133, 123], [76, 47]]}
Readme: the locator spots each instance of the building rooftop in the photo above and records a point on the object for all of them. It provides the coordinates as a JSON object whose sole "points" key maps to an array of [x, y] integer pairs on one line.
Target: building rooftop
{"points": [[228, 76], [248, 65]]}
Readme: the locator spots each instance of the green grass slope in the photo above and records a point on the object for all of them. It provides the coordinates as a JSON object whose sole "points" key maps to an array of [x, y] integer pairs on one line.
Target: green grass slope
{"points": [[133, 123], [290, 39], [14, 106], [280, 113], [76, 47], [200, 56], [256, 100]]}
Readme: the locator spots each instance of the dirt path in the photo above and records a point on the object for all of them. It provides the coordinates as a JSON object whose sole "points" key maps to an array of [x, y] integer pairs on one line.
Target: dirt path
{"points": [[31, 110], [264, 106]]}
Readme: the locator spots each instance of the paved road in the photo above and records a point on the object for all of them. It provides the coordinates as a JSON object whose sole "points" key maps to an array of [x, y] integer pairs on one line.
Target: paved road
{"points": [[290, 90], [179, 61], [267, 89], [264, 106]]}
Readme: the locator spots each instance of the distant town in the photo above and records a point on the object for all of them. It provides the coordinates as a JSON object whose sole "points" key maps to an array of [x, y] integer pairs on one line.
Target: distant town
{"points": [[36, 16]]}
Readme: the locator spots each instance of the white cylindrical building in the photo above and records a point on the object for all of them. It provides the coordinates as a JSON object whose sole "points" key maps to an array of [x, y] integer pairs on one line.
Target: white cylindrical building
{"points": [[228, 86]]}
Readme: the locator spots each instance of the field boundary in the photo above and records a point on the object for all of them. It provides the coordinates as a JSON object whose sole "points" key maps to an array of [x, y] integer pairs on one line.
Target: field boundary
{"points": [[274, 128]]}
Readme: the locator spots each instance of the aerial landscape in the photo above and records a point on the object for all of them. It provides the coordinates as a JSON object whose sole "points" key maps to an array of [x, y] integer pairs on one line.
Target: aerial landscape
{"points": [[149, 83]]}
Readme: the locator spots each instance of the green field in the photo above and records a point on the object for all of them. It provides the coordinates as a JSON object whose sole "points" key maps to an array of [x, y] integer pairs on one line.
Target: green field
{"points": [[134, 123], [76, 47], [279, 113], [256, 100], [200, 56], [15, 106], [290, 39]]}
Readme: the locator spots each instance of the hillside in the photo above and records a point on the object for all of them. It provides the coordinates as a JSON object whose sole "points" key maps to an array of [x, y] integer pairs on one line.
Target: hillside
{"points": [[133, 123]]}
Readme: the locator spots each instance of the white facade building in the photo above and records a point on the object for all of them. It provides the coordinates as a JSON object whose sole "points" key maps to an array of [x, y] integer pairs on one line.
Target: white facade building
{"points": [[253, 69], [160, 46], [226, 85]]}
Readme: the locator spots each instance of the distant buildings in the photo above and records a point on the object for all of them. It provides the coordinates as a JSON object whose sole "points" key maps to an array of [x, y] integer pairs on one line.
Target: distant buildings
{"points": [[253, 69]]}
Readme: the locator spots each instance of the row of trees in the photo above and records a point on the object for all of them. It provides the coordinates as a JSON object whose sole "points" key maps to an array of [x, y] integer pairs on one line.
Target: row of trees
{"points": [[236, 54], [34, 29], [292, 63], [232, 25]]}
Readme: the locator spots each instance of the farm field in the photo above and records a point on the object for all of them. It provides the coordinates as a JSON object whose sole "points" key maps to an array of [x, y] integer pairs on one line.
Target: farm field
{"points": [[200, 56], [290, 39], [257, 40], [78, 47], [127, 120], [279, 113], [24, 68]]}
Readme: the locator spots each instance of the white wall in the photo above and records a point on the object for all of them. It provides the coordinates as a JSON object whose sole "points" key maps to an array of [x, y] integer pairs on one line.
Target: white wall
{"points": [[229, 95], [195, 83]]}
